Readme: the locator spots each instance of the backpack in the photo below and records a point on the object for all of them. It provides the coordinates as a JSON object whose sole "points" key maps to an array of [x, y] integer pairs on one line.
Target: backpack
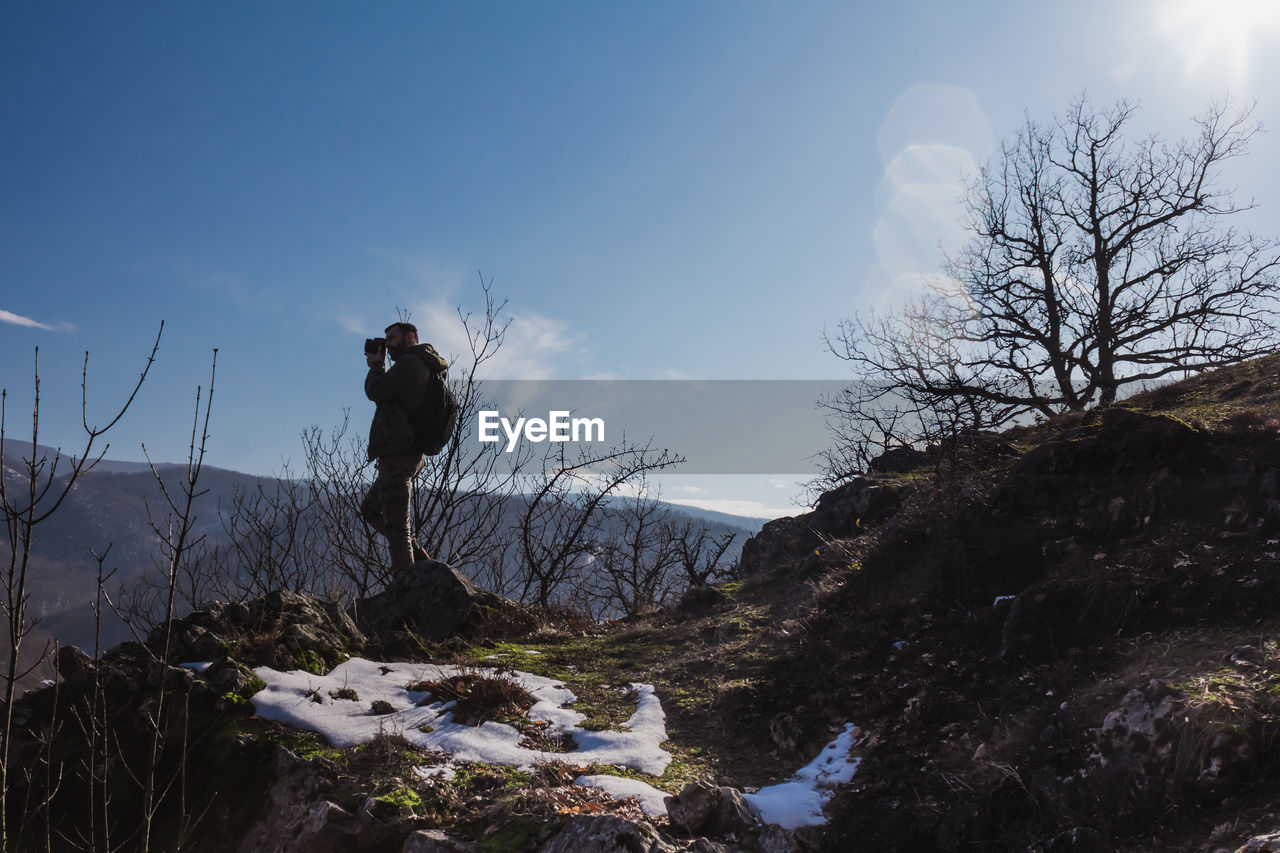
{"points": [[434, 418]]}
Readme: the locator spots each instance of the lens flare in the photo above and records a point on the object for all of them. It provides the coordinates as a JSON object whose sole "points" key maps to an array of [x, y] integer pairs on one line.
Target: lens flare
{"points": [[1221, 33]]}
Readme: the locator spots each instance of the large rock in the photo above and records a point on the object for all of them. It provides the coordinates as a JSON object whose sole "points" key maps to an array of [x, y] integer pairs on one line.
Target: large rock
{"points": [[435, 601], [73, 663], [1155, 749], [302, 819], [702, 808]]}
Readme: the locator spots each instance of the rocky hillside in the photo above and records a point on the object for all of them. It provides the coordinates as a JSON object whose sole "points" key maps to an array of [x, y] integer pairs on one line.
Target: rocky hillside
{"points": [[1063, 637]]}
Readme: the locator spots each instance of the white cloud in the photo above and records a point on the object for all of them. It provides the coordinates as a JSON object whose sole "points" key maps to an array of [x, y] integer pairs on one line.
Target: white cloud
{"points": [[534, 347], [19, 320], [354, 324]]}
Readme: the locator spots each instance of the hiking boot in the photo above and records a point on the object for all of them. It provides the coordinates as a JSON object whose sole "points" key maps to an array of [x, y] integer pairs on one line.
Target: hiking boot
{"points": [[401, 560]]}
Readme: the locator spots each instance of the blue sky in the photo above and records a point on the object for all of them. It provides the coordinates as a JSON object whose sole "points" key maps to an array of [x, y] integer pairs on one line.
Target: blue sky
{"points": [[663, 189]]}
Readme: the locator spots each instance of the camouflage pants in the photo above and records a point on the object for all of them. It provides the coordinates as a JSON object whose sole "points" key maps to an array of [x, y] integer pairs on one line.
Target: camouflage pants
{"points": [[386, 506]]}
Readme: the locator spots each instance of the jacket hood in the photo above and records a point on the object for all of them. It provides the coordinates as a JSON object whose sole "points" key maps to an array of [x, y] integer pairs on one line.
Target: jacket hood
{"points": [[429, 355]]}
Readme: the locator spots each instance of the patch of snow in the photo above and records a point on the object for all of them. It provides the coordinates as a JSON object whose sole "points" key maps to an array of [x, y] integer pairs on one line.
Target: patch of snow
{"points": [[1000, 598], [198, 666], [652, 801], [441, 771], [799, 800], [290, 697]]}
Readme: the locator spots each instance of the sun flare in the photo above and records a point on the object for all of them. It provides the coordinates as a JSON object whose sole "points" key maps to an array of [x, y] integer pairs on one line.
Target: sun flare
{"points": [[1219, 33]]}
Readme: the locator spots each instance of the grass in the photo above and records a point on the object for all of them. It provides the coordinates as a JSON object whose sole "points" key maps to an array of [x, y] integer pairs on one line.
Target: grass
{"points": [[1249, 691], [477, 696], [704, 684]]}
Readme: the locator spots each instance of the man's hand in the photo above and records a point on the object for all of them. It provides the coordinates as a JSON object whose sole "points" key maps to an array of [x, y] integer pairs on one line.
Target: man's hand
{"points": [[376, 359]]}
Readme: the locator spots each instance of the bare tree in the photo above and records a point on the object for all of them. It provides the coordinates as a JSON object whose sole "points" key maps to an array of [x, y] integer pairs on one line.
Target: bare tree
{"points": [[335, 465], [28, 498], [699, 554], [648, 555], [1095, 262], [274, 541], [559, 530], [634, 572]]}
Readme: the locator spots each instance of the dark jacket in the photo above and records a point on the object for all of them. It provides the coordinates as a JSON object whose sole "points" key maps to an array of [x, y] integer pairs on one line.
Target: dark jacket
{"points": [[397, 391]]}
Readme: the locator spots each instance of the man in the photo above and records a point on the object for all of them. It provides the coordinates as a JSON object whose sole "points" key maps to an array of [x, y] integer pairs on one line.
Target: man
{"points": [[396, 392]]}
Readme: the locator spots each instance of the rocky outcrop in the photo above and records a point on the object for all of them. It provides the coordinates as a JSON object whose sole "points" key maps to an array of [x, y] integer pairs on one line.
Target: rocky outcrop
{"points": [[844, 513], [282, 630]]}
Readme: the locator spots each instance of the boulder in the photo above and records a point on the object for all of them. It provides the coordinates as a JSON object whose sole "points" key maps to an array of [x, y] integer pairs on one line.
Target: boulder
{"points": [[435, 601], [74, 664], [702, 808], [777, 545], [706, 845], [227, 676], [300, 816], [1154, 749]]}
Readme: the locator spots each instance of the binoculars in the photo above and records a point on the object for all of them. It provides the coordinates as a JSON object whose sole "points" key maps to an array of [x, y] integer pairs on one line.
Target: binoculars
{"points": [[374, 345]]}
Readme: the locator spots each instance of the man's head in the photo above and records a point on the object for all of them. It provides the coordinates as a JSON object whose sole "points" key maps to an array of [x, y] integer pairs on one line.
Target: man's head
{"points": [[400, 338]]}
